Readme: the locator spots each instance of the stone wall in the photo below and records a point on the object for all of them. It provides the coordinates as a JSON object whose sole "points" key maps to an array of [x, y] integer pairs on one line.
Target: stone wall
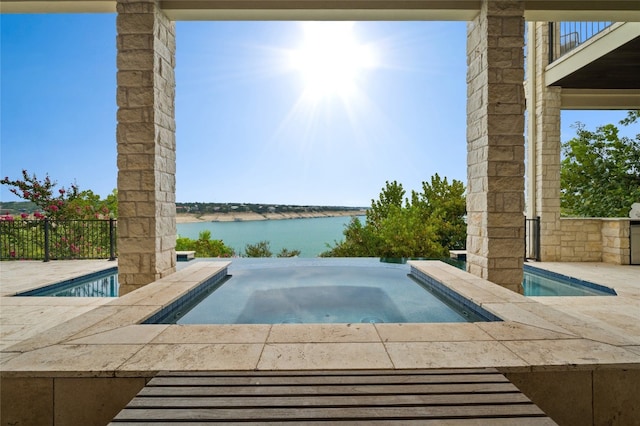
{"points": [[616, 243], [600, 395], [495, 143], [580, 240], [594, 240], [146, 143]]}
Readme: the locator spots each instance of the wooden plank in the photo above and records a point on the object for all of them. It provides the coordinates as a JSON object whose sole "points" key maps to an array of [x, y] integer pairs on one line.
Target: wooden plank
{"points": [[328, 414], [307, 373], [330, 401], [521, 421], [330, 389]]}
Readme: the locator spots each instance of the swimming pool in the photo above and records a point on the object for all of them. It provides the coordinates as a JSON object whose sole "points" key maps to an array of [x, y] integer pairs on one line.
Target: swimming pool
{"points": [[354, 290], [98, 284], [540, 282]]}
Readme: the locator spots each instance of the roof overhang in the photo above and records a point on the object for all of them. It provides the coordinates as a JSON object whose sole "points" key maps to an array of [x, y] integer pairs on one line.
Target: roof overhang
{"points": [[411, 10], [594, 99]]}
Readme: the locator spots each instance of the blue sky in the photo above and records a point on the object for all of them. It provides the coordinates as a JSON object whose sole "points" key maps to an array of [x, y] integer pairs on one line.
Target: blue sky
{"points": [[247, 129]]}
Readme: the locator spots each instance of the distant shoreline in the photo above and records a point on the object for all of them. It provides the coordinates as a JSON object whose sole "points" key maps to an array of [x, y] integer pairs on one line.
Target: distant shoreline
{"points": [[250, 216]]}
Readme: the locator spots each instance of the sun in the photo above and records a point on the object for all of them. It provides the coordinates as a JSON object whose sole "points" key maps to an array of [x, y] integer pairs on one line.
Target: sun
{"points": [[331, 60]]}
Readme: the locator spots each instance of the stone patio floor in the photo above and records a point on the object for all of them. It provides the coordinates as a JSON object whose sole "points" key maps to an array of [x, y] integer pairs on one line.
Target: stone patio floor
{"points": [[537, 331]]}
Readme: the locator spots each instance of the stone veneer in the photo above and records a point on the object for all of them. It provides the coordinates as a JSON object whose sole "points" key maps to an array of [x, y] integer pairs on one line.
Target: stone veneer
{"points": [[146, 143], [561, 239], [544, 141], [595, 240], [495, 143]]}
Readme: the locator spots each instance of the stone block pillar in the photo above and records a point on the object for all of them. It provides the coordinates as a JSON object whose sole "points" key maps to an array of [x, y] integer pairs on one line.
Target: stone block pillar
{"points": [[495, 143], [543, 137], [146, 143]]}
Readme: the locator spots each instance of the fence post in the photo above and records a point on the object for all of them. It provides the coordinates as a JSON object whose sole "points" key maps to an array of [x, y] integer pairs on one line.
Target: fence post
{"points": [[112, 239], [538, 257], [46, 239], [526, 235]]}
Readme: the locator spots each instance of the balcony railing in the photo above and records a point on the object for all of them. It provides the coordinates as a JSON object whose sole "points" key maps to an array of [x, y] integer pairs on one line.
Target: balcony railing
{"points": [[28, 239], [566, 36]]}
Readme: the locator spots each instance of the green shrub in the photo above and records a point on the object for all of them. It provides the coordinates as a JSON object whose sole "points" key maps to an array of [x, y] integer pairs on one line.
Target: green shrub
{"points": [[204, 246]]}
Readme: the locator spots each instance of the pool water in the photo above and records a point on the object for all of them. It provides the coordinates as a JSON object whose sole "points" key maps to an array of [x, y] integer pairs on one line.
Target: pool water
{"points": [[100, 284], [276, 291], [539, 282]]}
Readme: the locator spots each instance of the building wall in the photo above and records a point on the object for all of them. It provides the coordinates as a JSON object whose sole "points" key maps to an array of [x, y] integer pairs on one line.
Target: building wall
{"points": [[561, 239]]}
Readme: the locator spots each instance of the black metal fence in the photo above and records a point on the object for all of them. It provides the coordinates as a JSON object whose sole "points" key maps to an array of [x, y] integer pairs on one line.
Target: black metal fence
{"points": [[47, 239], [566, 36], [532, 238]]}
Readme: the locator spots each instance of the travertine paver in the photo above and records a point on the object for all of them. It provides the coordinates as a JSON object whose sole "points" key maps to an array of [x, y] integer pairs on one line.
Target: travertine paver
{"points": [[130, 334], [226, 333], [318, 356], [64, 331], [467, 354], [570, 352], [72, 360], [194, 357], [329, 333], [437, 332], [634, 349], [517, 331], [584, 326]]}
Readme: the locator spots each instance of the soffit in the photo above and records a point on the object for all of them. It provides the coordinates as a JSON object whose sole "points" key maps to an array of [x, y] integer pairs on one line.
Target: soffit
{"points": [[460, 10], [618, 69]]}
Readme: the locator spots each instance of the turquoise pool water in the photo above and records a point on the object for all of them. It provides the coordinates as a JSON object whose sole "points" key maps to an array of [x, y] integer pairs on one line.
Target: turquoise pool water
{"points": [[361, 290], [99, 284], [539, 282]]}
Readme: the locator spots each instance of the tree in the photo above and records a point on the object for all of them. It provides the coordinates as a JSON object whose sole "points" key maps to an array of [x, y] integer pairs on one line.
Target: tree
{"points": [[600, 172], [259, 249], [429, 224], [285, 252], [64, 203]]}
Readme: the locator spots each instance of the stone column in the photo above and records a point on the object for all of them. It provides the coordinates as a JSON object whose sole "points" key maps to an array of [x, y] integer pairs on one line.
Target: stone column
{"points": [[146, 144], [495, 143], [544, 103]]}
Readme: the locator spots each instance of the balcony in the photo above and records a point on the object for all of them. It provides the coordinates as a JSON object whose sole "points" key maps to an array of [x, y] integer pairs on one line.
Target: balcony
{"points": [[594, 55]]}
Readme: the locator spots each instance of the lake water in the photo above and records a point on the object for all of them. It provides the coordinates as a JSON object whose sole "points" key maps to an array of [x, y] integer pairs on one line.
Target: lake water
{"points": [[309, 235]]}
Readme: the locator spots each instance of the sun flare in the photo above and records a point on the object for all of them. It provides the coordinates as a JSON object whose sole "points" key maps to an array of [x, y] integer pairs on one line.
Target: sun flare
{"points": [[331, 60]]}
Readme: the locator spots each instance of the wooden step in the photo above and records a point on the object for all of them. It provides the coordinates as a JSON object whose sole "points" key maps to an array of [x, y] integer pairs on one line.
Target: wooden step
{"points": [[451, 397]]}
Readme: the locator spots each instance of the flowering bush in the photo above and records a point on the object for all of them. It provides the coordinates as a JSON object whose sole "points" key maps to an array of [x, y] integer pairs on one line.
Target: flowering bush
{"points": [[67, 211], [64, 203]]}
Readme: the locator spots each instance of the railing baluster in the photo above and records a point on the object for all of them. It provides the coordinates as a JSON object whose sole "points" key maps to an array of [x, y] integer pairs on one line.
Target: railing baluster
{"points": [[46, 239], [112, 239], [568, 35], [36, 239]]}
